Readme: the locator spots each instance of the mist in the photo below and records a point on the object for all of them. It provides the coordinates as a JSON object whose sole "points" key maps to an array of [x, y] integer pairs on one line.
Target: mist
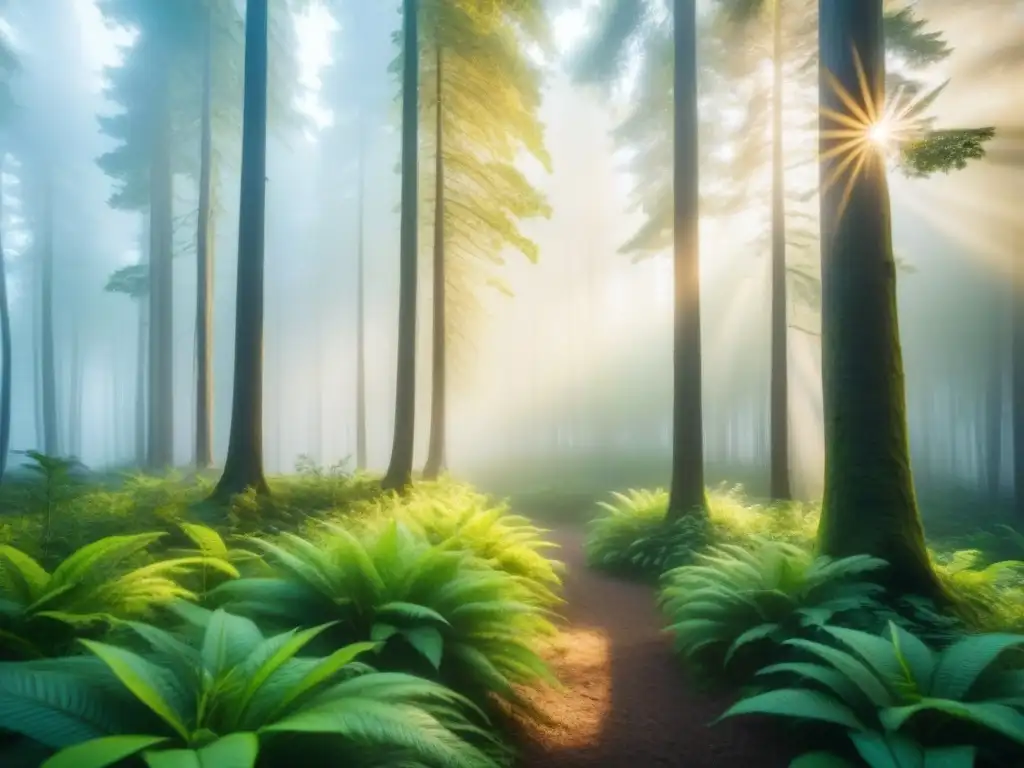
{"points": [[563, 367]]}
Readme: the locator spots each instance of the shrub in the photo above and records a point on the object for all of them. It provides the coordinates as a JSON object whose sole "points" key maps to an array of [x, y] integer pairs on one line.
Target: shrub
{"points": [[746, 602], [633, 538], [41, 613], [224, 699], [456, 517], [438, 612], [894, 684], [990, 595]]}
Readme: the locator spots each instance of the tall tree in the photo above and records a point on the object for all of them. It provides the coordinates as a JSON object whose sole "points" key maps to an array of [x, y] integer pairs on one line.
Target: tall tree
{"points": [[399, 473], [869, 505], [438, 390], [480, 198], [8, 64], [361, 299], [48, 361], [687, 489], [243, 467], [204, 260]]}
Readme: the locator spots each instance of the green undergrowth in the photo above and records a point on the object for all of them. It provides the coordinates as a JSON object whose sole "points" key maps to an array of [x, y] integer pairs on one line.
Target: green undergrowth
{"points": [[50, 510], [816, 640], [359, 627]]}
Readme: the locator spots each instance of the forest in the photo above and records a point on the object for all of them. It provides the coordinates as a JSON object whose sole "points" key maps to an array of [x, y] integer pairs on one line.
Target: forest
{"points": [[493, 383]]}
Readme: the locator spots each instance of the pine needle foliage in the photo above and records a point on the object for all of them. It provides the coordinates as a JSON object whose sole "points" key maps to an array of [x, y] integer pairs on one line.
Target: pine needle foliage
{"points": [[491, 92], [231, 697]]}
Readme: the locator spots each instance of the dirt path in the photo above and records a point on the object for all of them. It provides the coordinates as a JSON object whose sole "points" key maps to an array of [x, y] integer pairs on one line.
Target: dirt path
{"points": [[626, 702]]}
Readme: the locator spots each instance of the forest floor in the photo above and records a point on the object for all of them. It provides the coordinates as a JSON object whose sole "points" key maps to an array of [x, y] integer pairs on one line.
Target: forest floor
{"points": [[626, 700]]}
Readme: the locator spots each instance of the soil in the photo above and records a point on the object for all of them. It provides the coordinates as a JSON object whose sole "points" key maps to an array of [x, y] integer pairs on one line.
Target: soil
{"points": [[627, 701]]}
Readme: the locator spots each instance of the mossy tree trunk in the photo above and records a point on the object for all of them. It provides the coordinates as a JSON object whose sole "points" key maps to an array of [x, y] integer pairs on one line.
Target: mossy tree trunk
{"points": [[243, 467], [869, 502], [438, 412], [687, 489], [204, 264], [779, 453], [399, 474]]}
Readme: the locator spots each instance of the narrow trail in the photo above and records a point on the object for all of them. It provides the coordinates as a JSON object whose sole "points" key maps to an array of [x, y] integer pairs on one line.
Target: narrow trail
{"points": [[626, 702]]}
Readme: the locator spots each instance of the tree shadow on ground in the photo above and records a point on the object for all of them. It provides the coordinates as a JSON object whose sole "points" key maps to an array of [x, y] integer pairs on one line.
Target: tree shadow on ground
{"points": [[626, 701]]}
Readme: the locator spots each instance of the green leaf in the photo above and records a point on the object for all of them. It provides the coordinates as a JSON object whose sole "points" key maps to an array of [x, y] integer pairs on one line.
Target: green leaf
{"points": [[259, 666], [379, 633], [142, 678], [821, 760], [103, 752], [228, 639], [960, 665], [755, 633], [950, 757], [324, 670], [410, 611], [236, 750], [428, 641], [996, 717], [800, 704]]}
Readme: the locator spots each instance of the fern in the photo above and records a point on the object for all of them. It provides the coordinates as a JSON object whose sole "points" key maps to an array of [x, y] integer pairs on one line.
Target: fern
{"points": [[736, 601], [225, 696], [42, 613], [437, 612], [865, 682], [633, 538]]}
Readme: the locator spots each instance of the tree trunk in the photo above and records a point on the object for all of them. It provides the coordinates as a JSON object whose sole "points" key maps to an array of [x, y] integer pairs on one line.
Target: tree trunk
{"points": [[438, 416], [75, 397], [204, 266], [361, 304], [869, 505], [993, 412], [160, 430], [243, 467], [1017, 382], [399, 474], [687, 491], [142, 357], [5, 359], [48, 371], [779, 453]]}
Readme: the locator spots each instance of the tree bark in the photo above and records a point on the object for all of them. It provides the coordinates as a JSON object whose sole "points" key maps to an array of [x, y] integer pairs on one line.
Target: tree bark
{"points": [[75, 397], [243, 467], [48, 370], [1017, 382], [399, 474], [438, 415], [204, 265], [779, 454], [160, 432], [869, 504], [142, 357], [687, 491], [361, 302], [5, 360], [993, 411]]}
